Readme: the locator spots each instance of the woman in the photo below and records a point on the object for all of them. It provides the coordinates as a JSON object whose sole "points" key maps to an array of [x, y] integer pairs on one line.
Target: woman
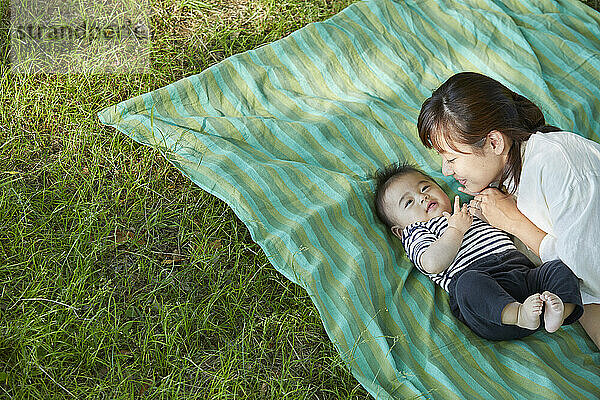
{"points": [[490, 137]]}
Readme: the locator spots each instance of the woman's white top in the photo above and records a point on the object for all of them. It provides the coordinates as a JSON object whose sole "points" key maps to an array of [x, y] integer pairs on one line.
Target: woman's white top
{"points": [[559, 192]]}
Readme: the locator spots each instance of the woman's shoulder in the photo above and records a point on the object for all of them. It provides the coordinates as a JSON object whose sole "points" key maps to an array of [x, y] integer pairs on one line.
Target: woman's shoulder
{"points": [[561, 154], [554, 146], [561, 140]]}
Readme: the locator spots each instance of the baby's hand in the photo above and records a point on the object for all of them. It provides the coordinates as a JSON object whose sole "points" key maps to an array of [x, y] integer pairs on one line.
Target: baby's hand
{"points": [[461, 219]]}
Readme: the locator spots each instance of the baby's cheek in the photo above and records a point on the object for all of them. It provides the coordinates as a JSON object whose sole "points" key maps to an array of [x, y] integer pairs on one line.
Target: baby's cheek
{"points": [[446, 206]]}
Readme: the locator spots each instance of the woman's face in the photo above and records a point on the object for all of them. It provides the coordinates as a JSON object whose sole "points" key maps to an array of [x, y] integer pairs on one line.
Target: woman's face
{"points": [[475, 169]]}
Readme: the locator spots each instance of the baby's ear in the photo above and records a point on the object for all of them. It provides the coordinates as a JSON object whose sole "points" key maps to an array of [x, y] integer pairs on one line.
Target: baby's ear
{"points": [[397, 231]]}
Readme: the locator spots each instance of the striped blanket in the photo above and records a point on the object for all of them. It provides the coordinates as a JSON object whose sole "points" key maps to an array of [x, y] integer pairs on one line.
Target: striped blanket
{"points": [[288, 135]]}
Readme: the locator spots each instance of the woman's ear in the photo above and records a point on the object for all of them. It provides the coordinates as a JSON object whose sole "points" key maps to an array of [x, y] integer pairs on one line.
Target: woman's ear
{"points": [[497, 141]]}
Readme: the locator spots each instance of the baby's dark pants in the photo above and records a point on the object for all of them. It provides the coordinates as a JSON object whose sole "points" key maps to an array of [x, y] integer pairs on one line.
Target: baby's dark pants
{"points": [[479, 294]]}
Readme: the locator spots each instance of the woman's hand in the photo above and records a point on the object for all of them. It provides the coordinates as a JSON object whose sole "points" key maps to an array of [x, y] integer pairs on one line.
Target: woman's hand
{"points": [[473, 206], [499, 209]]}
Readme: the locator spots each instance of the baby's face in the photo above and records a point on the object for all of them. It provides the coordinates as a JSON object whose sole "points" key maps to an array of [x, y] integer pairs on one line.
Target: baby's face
{"points": [[413, 197]]}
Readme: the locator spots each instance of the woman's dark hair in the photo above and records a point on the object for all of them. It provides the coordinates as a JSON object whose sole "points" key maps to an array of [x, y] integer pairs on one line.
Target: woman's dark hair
{"points": [[468, 106], [383, 178]]}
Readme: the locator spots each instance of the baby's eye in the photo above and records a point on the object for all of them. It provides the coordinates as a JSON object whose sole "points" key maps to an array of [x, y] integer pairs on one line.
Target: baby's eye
{"points": [[408, 203], [425, 188]]}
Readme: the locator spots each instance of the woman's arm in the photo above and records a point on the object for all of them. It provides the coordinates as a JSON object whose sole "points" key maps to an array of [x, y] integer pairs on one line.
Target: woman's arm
{"points": [[529, 234], [501, 211]]}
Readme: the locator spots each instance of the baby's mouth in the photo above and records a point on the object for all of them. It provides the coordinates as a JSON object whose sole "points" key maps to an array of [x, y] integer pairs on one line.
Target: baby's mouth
{"points": [[431, 205]]}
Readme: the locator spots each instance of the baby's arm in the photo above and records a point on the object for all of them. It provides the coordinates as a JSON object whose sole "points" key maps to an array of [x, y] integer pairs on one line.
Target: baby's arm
{"points": [[440, 254]]}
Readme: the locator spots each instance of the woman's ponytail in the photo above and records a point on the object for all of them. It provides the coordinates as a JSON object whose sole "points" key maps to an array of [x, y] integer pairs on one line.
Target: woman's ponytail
{"points": [[530, 120], [530, 116]]}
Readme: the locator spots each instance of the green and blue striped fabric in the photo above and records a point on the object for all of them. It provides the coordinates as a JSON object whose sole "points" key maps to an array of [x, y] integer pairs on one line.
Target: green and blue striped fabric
{"points": [[289, 133]]}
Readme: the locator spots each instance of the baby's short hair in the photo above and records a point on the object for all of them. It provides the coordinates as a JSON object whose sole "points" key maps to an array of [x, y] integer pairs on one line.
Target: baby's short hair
{"points": [[383, 178]]}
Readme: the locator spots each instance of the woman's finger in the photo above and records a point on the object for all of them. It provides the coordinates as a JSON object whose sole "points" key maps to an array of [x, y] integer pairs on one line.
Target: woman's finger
{"points": [[456, 204], [475, 213], [490, 190], [481, 198]]}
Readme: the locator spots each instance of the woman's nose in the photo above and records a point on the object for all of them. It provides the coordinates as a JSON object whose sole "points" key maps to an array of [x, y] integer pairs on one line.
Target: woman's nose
{"points": [[446, 170]]}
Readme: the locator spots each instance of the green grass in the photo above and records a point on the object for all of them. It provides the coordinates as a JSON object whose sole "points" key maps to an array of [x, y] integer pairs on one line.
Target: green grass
{"points": [[120, 279]]}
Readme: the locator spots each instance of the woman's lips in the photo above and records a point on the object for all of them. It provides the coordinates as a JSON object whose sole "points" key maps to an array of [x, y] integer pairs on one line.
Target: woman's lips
{"points": [[462, 181]]}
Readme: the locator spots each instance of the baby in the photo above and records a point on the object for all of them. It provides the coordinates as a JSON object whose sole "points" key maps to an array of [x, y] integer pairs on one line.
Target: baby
{"points": [[494, 289]]}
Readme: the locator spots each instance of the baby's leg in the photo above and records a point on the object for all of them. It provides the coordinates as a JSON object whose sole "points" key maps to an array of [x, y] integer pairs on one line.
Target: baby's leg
{"points": [[525, 315], [555, 311], [560, 292], [482, 301]]}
